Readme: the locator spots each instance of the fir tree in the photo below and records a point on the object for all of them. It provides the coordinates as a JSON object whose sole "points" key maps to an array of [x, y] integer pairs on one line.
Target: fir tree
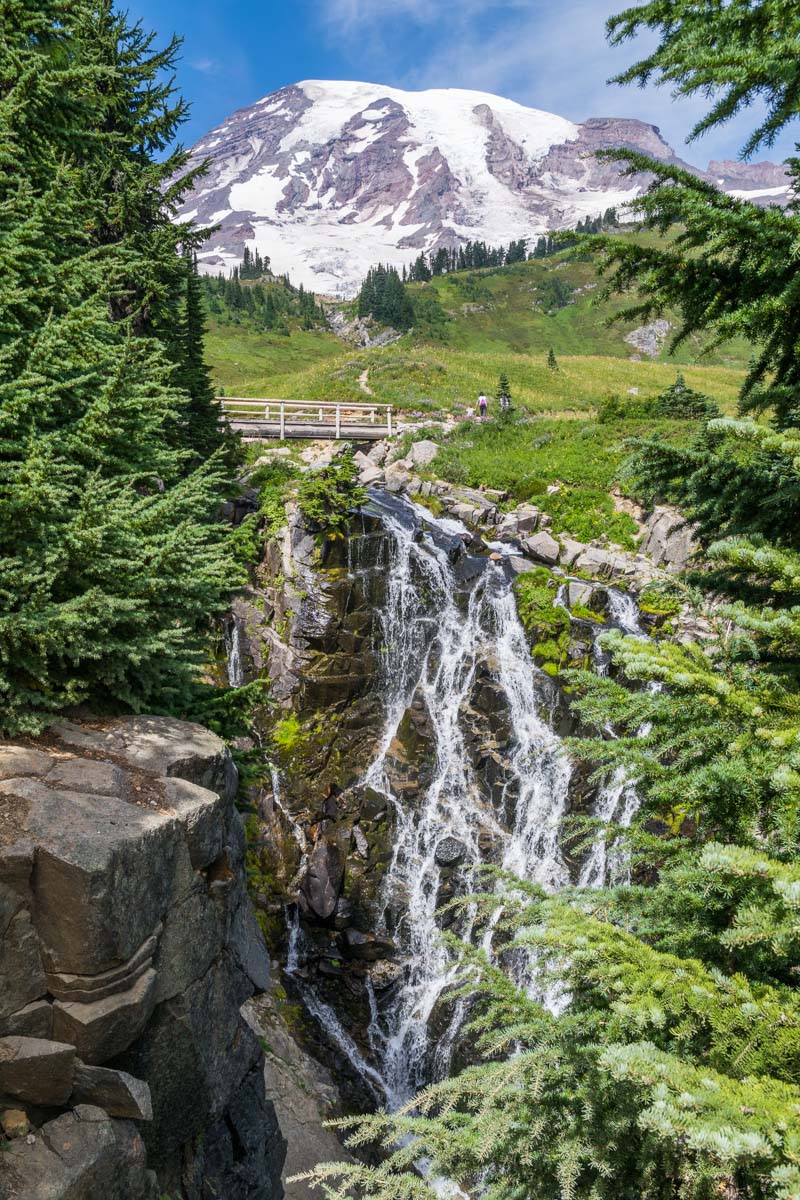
{"points": [[111, 561], [551, 359]]}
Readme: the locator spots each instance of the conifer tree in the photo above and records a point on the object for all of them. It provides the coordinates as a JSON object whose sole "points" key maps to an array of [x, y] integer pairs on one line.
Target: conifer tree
{"points": [[551, 359], [111, 563]]}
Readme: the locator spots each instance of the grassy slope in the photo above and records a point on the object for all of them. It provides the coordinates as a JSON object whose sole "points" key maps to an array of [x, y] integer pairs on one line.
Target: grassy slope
{"points": [[508, 308], [496, 322], [435, 377], [244, 360], [583, 456]]}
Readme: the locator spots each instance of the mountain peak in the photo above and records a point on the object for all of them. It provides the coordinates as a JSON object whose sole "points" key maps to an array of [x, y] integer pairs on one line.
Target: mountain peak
{"points": [[329, 177]]}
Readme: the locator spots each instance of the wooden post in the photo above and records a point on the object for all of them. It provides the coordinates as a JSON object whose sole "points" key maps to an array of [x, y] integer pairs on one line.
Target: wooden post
{"points": [[283, 420], [321, 418], [338, 422], [389, 419], [372, 416], [266, 412]]}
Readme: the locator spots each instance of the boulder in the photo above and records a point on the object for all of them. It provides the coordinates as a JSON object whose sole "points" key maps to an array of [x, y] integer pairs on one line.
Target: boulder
{"points": [[423, 453], [161, 745], [136, 921], [365, 947], [322, 882], [371, 476], [462, 512], [103, 1028], [116, 1092], [543, 548], [14, 1122], [596, 562], [80, 1155], [344, 913], [570, 551], [450, 852], [361, 843], [580, 595], [397, 478], [669, 539], [22, 977], [528, 518], [34, 1020], [377, 453], [36, 1070], [105, 873], [201, 813]]}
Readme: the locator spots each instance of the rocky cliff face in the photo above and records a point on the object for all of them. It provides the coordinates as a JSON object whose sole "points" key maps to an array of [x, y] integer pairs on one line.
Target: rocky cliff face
{"points": [[129, 947], [329, 178]]}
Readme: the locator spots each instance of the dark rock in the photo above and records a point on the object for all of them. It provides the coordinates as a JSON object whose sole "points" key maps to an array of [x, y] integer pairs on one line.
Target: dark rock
{"points": [[366, 947], [343, 914], [116, 1092], [34, 1020], [22, 978], [322, 882], [81, 1155], [450, 852], [103, 1028], [36, 1070]]}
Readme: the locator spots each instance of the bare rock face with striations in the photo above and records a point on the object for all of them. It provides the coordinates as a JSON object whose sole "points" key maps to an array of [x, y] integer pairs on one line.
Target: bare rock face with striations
{"points": [[129, 947], [329, 178]]}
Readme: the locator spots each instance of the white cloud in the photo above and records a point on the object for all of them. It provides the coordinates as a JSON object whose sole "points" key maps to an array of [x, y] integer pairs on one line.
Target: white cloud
{"points": [[207, 66]]}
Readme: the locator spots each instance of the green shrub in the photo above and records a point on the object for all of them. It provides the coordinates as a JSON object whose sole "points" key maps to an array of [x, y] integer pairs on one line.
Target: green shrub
{"points": [[328, 497]]}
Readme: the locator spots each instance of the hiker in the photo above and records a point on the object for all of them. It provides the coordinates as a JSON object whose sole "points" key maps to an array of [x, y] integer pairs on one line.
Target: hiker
{"points": [[483, 404]]}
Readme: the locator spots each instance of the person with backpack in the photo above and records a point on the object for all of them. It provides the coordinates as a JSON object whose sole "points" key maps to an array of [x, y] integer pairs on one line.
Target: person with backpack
{"points": [[483, 404]]}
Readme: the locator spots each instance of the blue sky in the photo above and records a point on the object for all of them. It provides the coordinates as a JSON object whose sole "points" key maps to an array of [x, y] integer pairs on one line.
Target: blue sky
{"points": [[550, 54]]}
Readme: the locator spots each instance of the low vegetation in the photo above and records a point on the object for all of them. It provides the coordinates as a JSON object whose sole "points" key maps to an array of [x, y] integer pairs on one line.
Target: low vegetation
{"points": [[584, 457]]}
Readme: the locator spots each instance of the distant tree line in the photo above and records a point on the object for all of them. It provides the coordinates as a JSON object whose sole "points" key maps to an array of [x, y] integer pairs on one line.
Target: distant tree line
{"points": [[253, 265], [475, 255], [268, 305], [384, 297]]}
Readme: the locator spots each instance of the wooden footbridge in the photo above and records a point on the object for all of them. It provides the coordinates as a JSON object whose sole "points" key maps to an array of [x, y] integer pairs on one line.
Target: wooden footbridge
{"points": [[259, 420]]}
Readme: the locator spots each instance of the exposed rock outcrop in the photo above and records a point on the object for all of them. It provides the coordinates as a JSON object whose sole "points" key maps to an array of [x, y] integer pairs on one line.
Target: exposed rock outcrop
{"points": [[669, 538], [129, 948]]}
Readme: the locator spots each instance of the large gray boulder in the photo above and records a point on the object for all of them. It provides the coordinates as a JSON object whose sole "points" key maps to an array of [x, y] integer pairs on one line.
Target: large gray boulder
{"points": [[423, 453], [116, 1092], [81, 1155], [160, 745], [129, 948], [542, 548], [669, 539], [35, 1070], [322, 882]]}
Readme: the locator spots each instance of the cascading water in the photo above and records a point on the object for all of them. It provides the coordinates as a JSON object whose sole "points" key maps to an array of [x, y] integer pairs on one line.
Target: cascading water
{"points": [[450, 620], [618, 801], [233, 649], [434, 647]]}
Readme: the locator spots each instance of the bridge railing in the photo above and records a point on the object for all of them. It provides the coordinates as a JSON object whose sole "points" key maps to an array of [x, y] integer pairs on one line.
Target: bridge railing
{"points": [[307, 412]]}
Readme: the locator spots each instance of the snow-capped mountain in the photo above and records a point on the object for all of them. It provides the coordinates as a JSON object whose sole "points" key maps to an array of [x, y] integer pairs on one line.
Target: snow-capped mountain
{"points": [[330, 178]]}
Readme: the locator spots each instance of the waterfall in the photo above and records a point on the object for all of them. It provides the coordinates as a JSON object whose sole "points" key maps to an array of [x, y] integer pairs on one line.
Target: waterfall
{"points": [[448, 624], [322, 1013], [624, 612], [436, 640], [618, 801], [232, 633]]}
